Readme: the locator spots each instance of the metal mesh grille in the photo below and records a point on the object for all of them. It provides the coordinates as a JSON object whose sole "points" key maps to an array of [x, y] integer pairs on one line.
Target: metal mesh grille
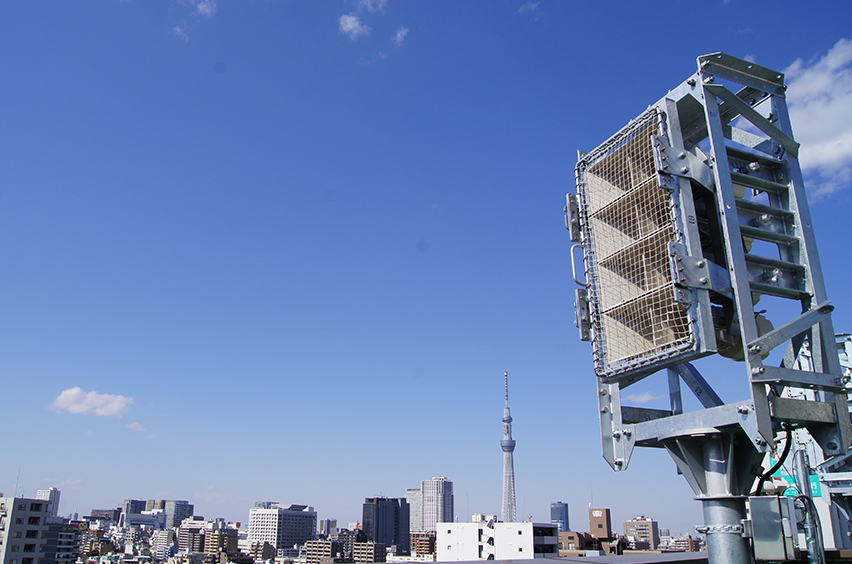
{"points": [[629, 224]]}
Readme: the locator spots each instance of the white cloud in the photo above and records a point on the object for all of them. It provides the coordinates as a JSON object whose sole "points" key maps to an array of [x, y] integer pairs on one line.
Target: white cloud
{"points": [[399, 36], [179, 33], [205, 7], [372, 5], [819, 97], [76, 400], [351, 25], [135, 426], [646, 397], [528, 7]]}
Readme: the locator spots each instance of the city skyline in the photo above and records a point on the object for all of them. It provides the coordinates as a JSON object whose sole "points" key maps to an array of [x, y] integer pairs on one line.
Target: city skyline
{"points": [[266, 228]]}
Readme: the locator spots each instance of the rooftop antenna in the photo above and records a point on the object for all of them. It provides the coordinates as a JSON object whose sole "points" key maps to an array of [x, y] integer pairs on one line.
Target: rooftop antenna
{"points": [[17, 480]]}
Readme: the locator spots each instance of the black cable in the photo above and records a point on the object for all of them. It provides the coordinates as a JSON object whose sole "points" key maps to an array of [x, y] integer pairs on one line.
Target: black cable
{"points": [[758, 490]]}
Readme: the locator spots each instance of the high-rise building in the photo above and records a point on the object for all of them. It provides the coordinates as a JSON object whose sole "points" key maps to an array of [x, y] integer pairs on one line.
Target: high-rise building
{"points": [[191, 535], [559, 515], [51, 496], [282, 526], [600, 524], [22, 529], [642, 533], [414, 497], [130, 507], [437, 502], [386, 521], [508, 446], [176, 512], [327, 527]]}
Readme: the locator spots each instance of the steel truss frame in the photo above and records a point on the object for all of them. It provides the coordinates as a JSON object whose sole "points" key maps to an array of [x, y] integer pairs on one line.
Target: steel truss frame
{"points": [[725, 156]]}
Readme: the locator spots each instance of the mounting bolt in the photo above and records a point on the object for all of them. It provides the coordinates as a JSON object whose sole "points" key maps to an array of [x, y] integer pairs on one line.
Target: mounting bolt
{"points": [[742, 409], [760, 441], [755, 349], [684, 170], [758, 370], [681, 155], [603, 391], [704, 280], [616, 435], [604, 409], [618, 462], [702, 263], [691, 82], [627, 432], [754, 167]]}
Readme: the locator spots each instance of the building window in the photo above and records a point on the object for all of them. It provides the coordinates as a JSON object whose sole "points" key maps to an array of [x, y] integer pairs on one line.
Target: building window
{"points": [[33, 520], [35, 507], [520, 549], [520, 533], [29, 548], [22, 507], [17, 534], [16, 548], [19, 521], [32, 534], [26, 561]]}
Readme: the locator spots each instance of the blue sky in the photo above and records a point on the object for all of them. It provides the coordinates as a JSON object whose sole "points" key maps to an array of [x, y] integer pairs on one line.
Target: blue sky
{"points": [[285, 250]]}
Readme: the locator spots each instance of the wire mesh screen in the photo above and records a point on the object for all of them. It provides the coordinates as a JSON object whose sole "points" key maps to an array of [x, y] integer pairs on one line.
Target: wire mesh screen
{"points": [[629, 222]]}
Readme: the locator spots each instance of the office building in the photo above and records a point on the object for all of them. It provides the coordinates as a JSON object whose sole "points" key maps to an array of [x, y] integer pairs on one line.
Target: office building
{"points": [[600, 524], [642, 533], [176, 511], [190, 535], [51, 496], [218, 540], [367, 552], [386, 521], [414, 497], [496, 541], [282, 526], [318, 551], [327, 527], [161, 541], [347, 538], [109, 515], [437, 505], [559, 515], [22, 529]]}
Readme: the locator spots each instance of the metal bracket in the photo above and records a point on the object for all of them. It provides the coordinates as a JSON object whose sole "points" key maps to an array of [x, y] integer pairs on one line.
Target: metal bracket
{"points": [[572, 220], [679, 162], [695, 272], [581, 315]]}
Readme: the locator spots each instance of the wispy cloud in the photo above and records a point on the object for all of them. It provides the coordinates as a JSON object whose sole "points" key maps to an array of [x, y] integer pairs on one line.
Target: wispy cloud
{"points": [[399, 36], [204, 7], [135, 426], [646, 397], [527, 7], [372, 5], [79, 401], [351, 25], [819, 97], [178, 33]]}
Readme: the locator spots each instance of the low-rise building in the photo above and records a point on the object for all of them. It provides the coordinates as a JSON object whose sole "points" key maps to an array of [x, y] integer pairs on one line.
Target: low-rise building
{"points": [[496, 541]]}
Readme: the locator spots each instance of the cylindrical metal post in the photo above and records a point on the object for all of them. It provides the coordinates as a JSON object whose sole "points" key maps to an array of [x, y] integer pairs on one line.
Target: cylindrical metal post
{"points": [[801, 467], [723, 511]]}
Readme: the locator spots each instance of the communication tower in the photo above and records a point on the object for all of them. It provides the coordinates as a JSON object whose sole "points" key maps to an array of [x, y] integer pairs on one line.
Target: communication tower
{"points": [[687, 217], [508, 446]]}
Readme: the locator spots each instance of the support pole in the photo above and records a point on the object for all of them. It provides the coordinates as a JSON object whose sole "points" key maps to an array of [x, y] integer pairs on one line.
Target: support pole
{"points": [[723, 511]]}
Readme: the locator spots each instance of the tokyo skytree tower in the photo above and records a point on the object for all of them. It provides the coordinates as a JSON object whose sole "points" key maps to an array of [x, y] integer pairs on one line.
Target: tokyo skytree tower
{"points": [[508, 446]]}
